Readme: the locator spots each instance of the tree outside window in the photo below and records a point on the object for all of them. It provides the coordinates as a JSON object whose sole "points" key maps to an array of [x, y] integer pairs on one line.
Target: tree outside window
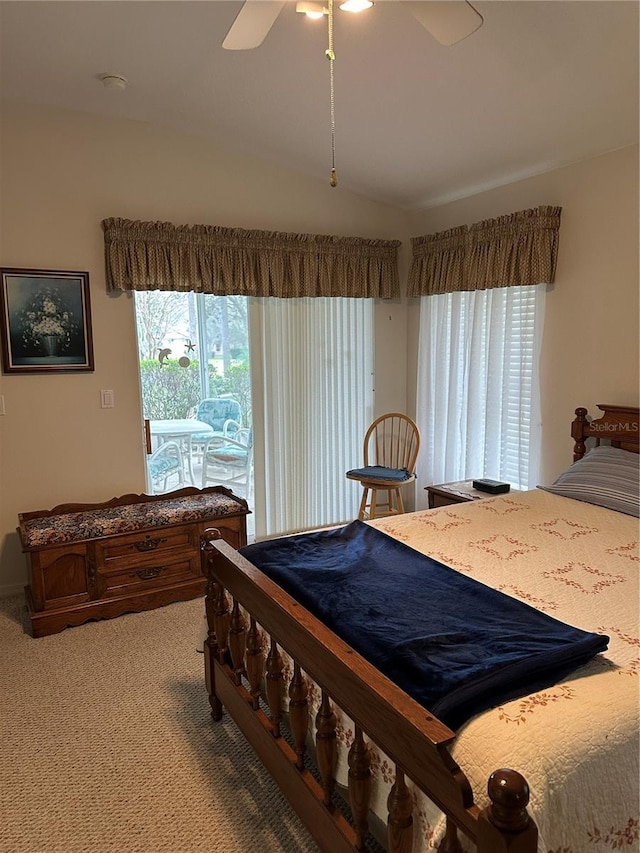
{"points": [[175, 332]]}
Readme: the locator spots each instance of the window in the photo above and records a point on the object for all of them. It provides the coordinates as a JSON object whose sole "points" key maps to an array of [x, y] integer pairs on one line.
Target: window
{"points": [[191, 346], [478, 390]]}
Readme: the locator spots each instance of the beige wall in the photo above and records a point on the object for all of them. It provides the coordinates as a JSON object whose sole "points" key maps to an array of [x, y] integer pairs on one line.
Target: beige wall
{"points": [[590, 340], [61, 174]]}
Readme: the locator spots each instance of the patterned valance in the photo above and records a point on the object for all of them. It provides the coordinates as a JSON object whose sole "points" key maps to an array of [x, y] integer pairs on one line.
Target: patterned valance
{"points": [[520, 248], [225, 261]]}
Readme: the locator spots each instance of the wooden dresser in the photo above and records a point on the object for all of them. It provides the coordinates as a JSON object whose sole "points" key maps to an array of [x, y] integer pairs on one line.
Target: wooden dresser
{"points": [[135, 552]]}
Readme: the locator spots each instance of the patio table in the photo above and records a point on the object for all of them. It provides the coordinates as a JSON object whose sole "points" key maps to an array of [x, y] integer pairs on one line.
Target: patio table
{"points": [[181, 430]]}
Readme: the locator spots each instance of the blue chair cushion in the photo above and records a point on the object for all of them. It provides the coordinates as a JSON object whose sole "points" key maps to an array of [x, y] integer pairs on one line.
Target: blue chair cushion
{"points": [[379, 472], [202, 436], [228, 454], [163, 465], [216, 410]]}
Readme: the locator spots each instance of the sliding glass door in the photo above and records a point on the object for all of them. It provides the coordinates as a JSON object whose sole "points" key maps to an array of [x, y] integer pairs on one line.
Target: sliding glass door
{"points": [[192, 347], [304, 398]]}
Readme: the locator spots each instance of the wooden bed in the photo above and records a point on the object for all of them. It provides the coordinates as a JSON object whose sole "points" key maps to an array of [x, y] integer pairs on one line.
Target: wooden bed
{"points": [[262, 645]]}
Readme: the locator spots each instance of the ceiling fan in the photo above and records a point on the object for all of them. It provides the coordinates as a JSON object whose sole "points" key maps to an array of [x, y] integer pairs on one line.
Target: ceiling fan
{"points": [[448, 21]]}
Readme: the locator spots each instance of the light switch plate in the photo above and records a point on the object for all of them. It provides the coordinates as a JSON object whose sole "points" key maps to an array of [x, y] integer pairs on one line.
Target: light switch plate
{"points": [[106, 399]]}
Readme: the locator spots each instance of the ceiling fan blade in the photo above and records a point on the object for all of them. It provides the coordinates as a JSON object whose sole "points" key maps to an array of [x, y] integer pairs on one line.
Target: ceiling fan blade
{"points": [[448, 21], [252, 24]]}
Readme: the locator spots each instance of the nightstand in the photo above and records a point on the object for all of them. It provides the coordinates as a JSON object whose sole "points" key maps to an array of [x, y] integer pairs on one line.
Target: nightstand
{"points": [[454, 493]]}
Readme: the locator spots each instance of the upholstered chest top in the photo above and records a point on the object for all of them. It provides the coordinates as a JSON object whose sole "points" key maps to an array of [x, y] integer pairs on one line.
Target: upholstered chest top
{"points": [[102, 520]]}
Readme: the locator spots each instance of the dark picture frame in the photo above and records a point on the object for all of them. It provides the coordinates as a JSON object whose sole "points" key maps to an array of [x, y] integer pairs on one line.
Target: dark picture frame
{"points": [[46, 321]]}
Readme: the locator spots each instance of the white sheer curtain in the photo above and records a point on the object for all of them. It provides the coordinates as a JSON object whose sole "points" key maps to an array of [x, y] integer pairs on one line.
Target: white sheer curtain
{"points": [[312, 392], [478, 387]]}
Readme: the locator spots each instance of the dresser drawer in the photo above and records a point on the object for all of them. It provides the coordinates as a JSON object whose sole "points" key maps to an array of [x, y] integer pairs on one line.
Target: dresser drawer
{"points": [[125, 551], [152, 573], [436, 500]]}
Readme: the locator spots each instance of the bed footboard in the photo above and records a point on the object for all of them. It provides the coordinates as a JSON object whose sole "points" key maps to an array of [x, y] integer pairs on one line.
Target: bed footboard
{"points": [[252, 623]]}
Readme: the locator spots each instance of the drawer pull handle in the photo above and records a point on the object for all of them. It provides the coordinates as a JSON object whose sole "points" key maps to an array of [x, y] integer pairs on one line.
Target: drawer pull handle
{"points": [[148, 544], [150, 573]]}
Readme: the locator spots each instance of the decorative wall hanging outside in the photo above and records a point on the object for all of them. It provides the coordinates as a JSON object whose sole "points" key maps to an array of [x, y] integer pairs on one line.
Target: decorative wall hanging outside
{"points": [[46, 321]]}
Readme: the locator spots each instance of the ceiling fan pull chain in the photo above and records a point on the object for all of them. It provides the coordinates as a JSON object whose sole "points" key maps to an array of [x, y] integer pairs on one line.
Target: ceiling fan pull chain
{"points": [[329, 53]]}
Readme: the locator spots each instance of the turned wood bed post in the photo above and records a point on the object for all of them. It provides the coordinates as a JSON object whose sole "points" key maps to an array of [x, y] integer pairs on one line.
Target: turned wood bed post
{"points": [[359, 785], [400, 822], [299, 713], [237, 641], [210, 645], [255, 662], [577, 433], [450, 843], [274, 681], [326, 749], [504, 826], [221, 620]]}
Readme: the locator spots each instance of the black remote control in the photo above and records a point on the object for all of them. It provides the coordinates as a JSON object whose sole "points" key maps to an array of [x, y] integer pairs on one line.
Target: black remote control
{"points": [[493, 487]]}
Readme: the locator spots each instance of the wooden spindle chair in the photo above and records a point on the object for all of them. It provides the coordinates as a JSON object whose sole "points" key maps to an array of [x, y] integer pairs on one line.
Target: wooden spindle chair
{"points": [[391, 446]]}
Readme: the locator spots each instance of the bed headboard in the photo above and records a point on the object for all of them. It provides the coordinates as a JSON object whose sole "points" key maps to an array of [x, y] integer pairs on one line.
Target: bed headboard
{"points": [[618, 425]]}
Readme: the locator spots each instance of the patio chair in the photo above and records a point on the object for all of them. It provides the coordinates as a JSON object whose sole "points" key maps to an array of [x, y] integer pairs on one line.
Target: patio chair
{"points": [[230, 463], [163, 465], [215, 411]]}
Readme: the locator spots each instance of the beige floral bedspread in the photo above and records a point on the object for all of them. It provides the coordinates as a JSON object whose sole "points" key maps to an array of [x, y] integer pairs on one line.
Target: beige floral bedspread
{"points": [[577, 742]]}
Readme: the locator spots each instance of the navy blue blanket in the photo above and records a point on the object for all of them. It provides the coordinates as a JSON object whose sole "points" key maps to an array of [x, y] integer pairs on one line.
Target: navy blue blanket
{"points": [[455, 645]]}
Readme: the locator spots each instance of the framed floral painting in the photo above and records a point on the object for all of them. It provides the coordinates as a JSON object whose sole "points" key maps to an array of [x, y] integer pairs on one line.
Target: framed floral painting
{"points": [[46, 321]]}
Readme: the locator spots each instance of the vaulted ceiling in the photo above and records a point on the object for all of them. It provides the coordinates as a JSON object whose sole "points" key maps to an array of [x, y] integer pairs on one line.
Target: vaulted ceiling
{"points": [[540, 85]]}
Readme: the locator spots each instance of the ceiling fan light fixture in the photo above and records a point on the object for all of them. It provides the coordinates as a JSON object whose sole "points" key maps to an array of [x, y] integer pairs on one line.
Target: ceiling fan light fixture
{"points": [[356, 5], [311, 9]]}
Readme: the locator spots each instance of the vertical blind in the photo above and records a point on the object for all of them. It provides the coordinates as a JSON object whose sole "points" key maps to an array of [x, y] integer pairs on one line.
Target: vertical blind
{"points": [[312, 391], [478, 389]]}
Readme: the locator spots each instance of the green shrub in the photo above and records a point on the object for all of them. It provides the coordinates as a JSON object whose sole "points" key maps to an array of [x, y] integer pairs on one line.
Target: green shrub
{"points": [[170, 391], [236, 383]]}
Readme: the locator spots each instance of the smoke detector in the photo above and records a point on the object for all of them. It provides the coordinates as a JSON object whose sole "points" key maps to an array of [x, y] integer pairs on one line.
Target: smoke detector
{"points": [[113, 81]]}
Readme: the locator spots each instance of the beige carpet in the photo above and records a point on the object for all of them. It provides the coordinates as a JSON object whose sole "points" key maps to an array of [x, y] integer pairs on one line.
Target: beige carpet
{"points": [[106, 745]]}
